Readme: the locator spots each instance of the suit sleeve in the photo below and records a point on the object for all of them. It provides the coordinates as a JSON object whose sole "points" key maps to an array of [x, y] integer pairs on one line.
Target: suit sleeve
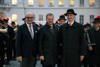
{"points": [[59, 40], [40, 42], [18, 41], [12, 33], [82, 42]]}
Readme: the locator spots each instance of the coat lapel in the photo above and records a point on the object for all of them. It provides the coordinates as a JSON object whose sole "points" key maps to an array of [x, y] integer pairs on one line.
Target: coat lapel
{"points": [[26, 28], [48, 29]]}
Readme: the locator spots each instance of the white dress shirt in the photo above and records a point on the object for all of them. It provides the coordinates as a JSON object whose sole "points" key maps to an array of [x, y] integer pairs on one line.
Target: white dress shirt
{"points": [[31, 29]]}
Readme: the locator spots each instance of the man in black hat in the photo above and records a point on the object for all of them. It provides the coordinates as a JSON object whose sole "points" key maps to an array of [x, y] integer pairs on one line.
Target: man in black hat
{"points": [[71, 36], [62, 20], [94, 40], [24, 19], [10, 35]]}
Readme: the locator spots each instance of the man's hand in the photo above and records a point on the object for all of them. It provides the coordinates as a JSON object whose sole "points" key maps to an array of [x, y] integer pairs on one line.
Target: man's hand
{"points": [[90, 48], [19, 58], [42, 58], [5, 48], [81, 58]]}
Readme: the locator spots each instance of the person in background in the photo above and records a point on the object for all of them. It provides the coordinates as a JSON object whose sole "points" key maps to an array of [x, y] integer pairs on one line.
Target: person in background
{"points": [[13, 41], [10, 35], [94, 41]]}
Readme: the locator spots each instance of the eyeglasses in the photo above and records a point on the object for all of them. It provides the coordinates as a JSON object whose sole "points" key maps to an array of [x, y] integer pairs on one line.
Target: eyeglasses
{"points": [[29, 17]]}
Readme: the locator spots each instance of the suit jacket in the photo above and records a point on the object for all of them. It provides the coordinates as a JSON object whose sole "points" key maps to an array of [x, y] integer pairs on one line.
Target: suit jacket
{"points": [[73, 44], [25, 45], [47, 44]]}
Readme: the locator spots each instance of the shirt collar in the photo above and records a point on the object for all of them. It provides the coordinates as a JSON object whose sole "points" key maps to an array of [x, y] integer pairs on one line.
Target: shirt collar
{"points": [[28, 24], [71, 23]]}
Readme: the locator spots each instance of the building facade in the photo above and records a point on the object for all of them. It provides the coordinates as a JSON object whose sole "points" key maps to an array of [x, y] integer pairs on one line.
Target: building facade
{"points": [[15, 10]]}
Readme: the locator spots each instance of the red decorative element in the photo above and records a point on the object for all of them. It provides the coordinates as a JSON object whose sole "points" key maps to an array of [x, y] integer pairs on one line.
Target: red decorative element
{"points": [[96, 29], [69, 24], [0, 18], [7, 19], [63, 15], [39, 23], [87, 23], [98, 17], [56, 20], [57, 24], [33, 22]]}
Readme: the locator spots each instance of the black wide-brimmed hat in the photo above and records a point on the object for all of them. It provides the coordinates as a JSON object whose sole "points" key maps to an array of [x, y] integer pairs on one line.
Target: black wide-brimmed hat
{"points": [[23, 19], [61, 18], [5, 20], [70, 11], [96, 20]]}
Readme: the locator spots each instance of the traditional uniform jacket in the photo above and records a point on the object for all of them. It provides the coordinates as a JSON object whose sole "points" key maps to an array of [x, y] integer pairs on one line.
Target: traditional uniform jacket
{"points": [[94, 55]]}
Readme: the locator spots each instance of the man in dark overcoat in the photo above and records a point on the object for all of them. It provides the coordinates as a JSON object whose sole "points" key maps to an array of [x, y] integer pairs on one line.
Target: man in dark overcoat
{"points": [[71, 36], [94, 48], [47, 43]]}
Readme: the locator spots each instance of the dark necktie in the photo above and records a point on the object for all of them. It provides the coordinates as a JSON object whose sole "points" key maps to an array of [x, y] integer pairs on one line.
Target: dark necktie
{"points": [[51, 28]]}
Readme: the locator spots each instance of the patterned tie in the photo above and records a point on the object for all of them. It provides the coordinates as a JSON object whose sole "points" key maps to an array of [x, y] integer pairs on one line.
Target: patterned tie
{"points": [[31, 31], [51, 29]]}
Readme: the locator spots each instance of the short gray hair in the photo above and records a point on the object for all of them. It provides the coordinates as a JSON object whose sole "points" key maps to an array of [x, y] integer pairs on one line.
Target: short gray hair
{"points": [[49, 14]]}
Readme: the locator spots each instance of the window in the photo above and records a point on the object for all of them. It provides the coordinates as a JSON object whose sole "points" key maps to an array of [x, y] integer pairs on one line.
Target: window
{"points": [[14, 2], [30, 2], [81, 2], [92, 2], [40, 17], [1, 1], [71, 2], [2, 15], [40, 2], [14, 17], [61, 2], [91, 18], [51, 2], [82, 19]]}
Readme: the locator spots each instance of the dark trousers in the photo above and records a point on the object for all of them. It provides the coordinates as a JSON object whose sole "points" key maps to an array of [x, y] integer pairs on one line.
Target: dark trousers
{"points": [[91, 66], [13, 48], [48, 65], [59, 62], [1, 59], [85, 62], [28, 62]]}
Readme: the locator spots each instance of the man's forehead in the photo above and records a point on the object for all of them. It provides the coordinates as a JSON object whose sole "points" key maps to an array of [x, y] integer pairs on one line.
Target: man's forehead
{"points": [[70, 14], [29, 15]]}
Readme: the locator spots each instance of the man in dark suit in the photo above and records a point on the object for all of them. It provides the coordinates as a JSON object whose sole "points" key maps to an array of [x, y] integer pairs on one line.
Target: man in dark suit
{"points": [[26, 42], [94, 40], [71, 36], [47, 43], [10, 35], [3, 45]]}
